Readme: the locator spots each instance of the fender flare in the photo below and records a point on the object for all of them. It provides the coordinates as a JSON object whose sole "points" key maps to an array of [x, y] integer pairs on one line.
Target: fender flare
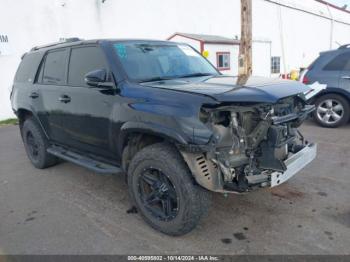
{"points": [[31, 110], [151, 129], [333, 90]]}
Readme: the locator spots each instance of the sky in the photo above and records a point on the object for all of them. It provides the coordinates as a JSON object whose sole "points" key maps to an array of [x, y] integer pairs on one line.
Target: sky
{"points": [[340, 2]]}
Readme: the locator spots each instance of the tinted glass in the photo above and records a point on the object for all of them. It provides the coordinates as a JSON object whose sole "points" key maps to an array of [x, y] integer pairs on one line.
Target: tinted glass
{"points": [[347, 65], [55, 68], [82, 61], [28, 67], [338, 63], [39, 78], [146, 61]]}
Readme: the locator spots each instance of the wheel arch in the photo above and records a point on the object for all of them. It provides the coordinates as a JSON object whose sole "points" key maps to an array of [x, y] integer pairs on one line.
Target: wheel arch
{"points": [[341, 94], [330, 90], [139, 135], [24, 113]]}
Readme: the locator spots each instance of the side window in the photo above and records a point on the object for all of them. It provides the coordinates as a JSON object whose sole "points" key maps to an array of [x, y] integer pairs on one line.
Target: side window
{"points": [[338, 63], [39, 77], [223, 60], [28, 67], [55, 68], [347, 65], [82, 61]]}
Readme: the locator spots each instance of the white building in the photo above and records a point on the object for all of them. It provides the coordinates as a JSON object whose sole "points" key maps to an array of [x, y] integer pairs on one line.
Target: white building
{"points": [[297, 29], [223, 52]]}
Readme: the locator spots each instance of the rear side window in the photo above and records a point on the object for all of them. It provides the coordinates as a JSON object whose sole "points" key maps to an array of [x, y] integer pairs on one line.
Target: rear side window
{"points": [[347, 65], [28, 67], [55, 68], [339, 63], [82, 61]]}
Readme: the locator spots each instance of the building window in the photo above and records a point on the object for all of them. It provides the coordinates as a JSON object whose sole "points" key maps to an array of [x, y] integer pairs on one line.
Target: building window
{"points": [[275, 64], [223, 60], [4, 38]]}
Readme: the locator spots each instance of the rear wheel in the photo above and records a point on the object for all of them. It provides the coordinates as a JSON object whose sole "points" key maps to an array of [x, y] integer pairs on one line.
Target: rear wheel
{"points": [[36, 144], [161, 186], [331, 110]]}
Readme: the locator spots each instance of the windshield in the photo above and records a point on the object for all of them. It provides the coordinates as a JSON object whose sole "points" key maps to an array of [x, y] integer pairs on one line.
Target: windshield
{"points": [[150, 62]]}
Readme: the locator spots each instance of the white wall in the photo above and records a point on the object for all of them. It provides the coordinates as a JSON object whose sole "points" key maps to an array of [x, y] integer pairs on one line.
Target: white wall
{"points": [[261, 53], [232, 49], [299, 35], [30, 23]]}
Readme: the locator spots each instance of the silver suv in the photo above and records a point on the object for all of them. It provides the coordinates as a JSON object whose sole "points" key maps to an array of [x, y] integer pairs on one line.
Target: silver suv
{"points": [[331, 68]]}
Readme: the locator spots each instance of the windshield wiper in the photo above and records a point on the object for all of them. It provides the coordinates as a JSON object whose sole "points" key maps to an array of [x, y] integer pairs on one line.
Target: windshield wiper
{"points": [[195, 75], [153, 79], [159, 78]]}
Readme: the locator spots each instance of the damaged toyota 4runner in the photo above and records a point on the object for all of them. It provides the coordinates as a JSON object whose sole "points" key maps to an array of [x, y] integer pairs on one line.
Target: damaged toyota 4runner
{"points": [[164, 115]]}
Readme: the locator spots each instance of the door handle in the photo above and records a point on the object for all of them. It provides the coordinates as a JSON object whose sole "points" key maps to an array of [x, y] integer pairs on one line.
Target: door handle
{"points": [[346, 77], [64, 99], [34, 95]]}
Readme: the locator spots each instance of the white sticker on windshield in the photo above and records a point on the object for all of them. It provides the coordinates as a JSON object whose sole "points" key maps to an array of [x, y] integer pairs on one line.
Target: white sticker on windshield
{"points": [[188, 50]]}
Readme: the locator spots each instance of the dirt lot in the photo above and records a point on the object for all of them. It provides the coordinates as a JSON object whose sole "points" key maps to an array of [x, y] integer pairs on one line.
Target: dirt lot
{"points": [[69, 210]]}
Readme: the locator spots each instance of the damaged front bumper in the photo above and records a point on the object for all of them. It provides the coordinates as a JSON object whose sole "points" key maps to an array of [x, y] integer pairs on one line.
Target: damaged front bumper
{"points": [[294, 164], [206, 172], [251, 146]]}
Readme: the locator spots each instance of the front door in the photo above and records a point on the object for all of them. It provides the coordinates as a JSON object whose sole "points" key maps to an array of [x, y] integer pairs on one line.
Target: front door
{"points": [[86, 113]]}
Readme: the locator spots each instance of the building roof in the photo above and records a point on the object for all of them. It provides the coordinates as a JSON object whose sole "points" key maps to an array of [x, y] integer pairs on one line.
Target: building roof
{"points": [[210, 39], [333, 5]]}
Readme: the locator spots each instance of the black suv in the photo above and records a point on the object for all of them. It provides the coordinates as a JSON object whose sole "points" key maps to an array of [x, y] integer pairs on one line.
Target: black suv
{"points": [[161, 113], [331, 68]]}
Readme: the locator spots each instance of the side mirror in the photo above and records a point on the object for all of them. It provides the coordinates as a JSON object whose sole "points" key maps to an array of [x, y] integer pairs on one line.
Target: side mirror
{"points": [[98, 78]]}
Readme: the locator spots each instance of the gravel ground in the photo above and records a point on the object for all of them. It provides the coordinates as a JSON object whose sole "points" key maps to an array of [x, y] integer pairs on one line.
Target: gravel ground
{"points": [[67, 209]]}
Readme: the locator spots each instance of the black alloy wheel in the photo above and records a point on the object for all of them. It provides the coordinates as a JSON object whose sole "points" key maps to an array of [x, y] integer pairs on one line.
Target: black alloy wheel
{"points": [[164, 191], [33, 145], [158, 194]]}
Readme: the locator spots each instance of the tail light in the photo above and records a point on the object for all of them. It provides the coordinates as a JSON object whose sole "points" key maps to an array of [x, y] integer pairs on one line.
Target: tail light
{"points": [[306, 80]]}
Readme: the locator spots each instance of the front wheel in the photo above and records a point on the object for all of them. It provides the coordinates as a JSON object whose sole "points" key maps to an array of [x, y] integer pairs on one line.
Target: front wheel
{"points": [[331, 110], [161, 186]]}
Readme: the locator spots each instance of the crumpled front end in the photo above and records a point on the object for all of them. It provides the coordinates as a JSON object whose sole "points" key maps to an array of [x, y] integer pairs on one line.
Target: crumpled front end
{"points": [[252, 146]]}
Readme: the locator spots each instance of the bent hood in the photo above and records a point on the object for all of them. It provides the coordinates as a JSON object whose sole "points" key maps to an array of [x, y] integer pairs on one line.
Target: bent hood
{"points": [[227, 89]]}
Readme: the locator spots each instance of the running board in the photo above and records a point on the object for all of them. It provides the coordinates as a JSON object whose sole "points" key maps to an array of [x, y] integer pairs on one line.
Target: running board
{"points": [[84, 161]]}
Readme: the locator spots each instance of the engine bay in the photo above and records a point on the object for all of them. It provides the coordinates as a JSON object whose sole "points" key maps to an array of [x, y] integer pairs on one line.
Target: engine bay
{"points": [[248, 144]]}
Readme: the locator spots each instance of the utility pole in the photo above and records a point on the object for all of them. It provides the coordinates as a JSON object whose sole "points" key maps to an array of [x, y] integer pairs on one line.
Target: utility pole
{"points": [[245, 47]]}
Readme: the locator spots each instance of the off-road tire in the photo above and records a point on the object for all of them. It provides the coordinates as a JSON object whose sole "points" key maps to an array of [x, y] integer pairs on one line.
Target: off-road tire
{"points": [[41, 159], [342, 101], [194, 201]]}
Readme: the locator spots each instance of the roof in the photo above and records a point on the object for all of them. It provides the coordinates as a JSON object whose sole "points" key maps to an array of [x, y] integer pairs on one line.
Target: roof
{"points": [[210, 39], [333, 5], [77, 41]]}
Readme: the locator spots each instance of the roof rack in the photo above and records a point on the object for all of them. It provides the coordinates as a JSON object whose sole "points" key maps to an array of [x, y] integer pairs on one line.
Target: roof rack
{"points": [[67, 40], [344, 46]]}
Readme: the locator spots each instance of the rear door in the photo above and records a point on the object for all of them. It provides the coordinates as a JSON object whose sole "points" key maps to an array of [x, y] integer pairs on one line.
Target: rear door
{"points": [[48, 87], [86, 116], [344, 81]]}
